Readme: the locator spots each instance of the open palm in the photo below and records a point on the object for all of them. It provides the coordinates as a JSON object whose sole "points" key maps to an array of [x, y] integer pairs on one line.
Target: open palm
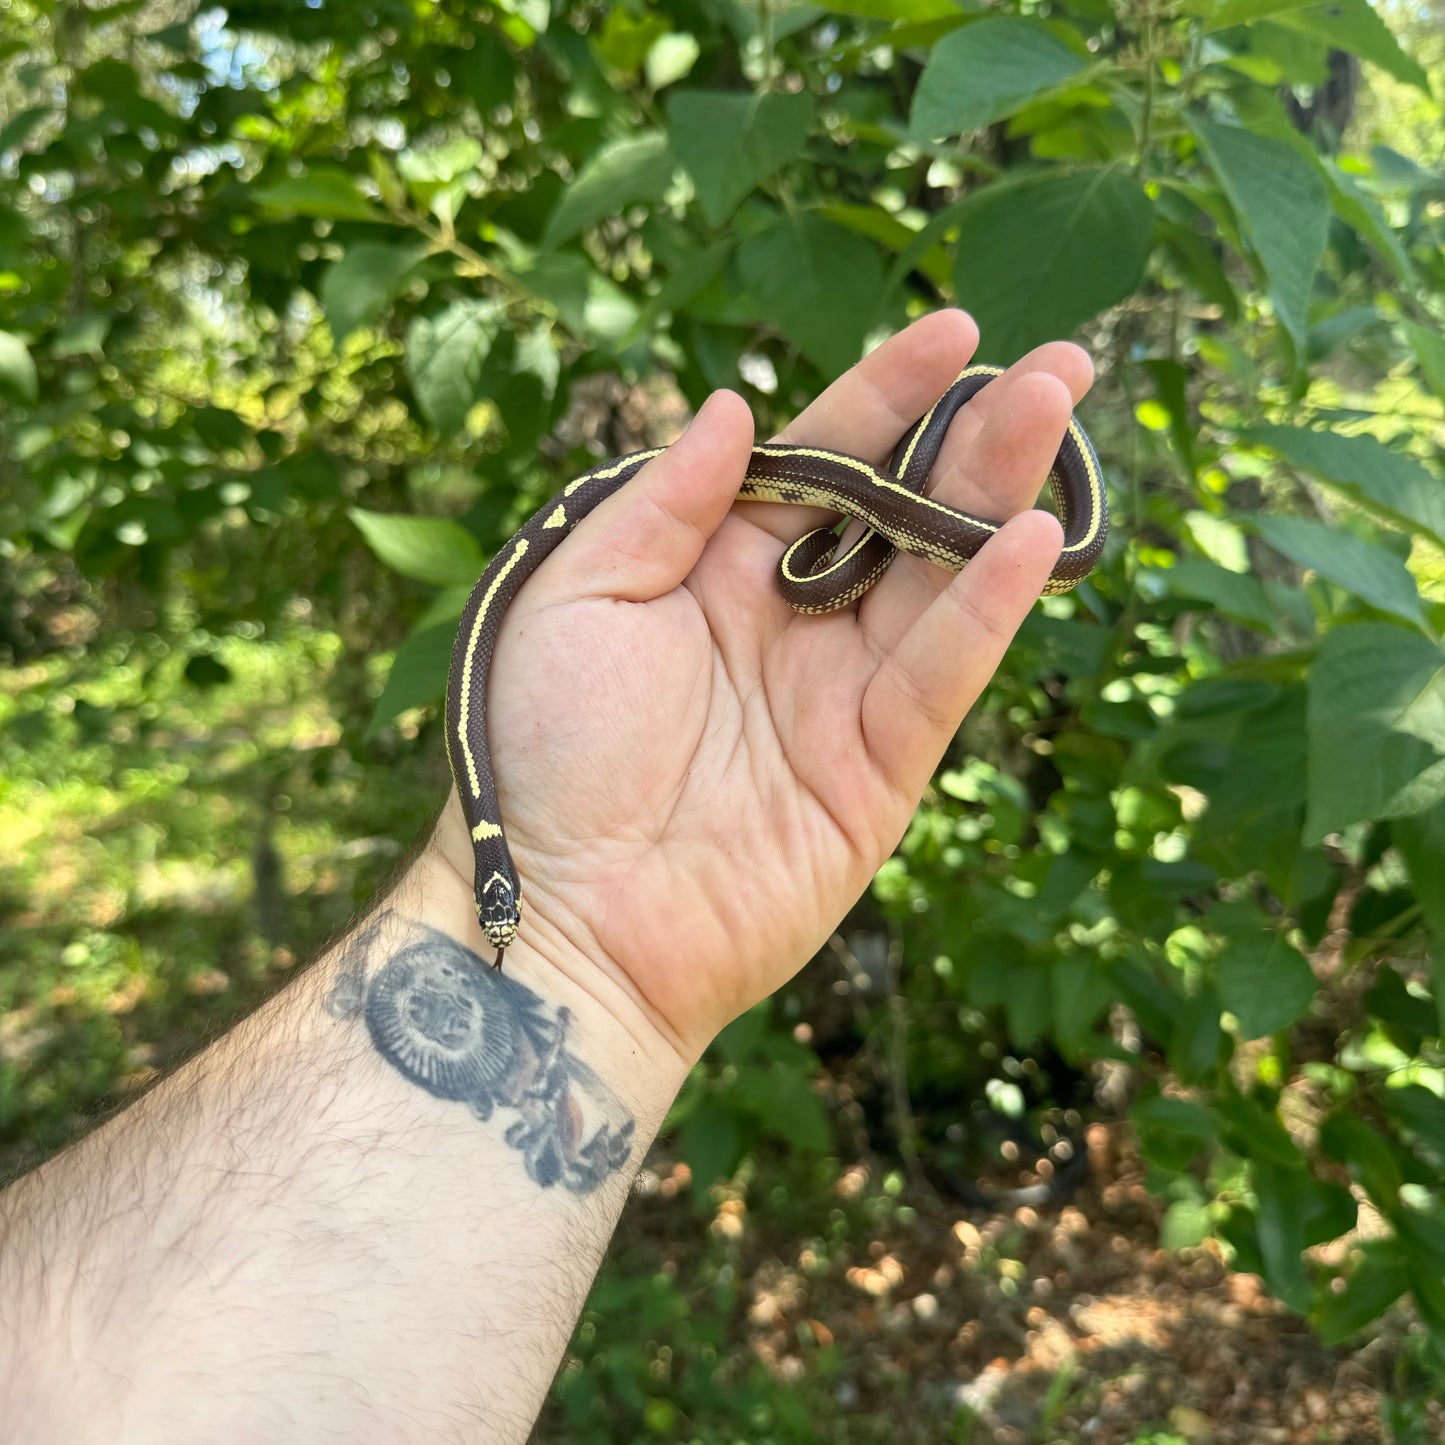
{"points": [[696, 781]]}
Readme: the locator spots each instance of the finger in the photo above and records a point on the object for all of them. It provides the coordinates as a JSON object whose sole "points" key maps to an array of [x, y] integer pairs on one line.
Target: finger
{"points": [[924, 686], [1070, 363], [999, 475], [645, 539], [870, 406]]}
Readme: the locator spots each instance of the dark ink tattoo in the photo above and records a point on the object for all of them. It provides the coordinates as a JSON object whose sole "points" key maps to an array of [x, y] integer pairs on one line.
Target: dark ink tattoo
{"points": [[451, 1023]]}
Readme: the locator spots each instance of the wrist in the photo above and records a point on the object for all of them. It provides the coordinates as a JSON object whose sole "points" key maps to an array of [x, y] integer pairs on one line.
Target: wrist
{"points": [[609, 1026]]}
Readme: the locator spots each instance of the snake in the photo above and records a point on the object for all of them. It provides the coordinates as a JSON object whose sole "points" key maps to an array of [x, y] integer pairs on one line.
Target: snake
{"points": [[813, 577]]}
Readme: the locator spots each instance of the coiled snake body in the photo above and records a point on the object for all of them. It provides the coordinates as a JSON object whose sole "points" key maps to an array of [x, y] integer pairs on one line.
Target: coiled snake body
{"points": [[891, 504]]}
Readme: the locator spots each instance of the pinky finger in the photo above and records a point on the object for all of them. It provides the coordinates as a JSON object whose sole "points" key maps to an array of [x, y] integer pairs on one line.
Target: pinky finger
{"points": [[922, 689]]}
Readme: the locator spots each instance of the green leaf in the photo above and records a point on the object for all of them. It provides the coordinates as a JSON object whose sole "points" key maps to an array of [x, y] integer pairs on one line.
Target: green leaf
{"points": [[1378, 1279], [909, 10], [1357, 208], [1429, 347], [360, 286], [1257, 1133], [1421, 841], [1236, 594], [670, 59], [1168, 1114], [324, 191], [1186, 1223], [1283, 207], [19, 128], [800, 269], [1357, 27], [730, 143], [440, 164], [986, 71], [785, 1105], [1263, 982], [1421, 1114], [881, 226], [1221, 16], [709, 1142], [444, 358], [617, 176], [1366, 569], [1069, 245], [428, 549], [18, 379], [1279, 1222], [1367, 1153], [1376, 727], [418, 675], [1388, 483], [83, 336]]}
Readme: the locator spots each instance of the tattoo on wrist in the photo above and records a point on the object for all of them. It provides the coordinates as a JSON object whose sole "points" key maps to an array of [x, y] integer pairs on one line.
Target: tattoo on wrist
{"points": [[451, 1023]]}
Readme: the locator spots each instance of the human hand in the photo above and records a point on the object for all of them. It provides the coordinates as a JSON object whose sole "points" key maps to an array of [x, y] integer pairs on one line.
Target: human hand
{"points": [[696, 781]]}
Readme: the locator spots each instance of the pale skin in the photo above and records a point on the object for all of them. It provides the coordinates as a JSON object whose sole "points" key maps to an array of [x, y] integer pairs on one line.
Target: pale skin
{"points": [[291, 1240]]}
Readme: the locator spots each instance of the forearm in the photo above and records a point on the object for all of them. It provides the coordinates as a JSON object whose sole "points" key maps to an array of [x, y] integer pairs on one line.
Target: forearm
{"points": [[372, 1210]]}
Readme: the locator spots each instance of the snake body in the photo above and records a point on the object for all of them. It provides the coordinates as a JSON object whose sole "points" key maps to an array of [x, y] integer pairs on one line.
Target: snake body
{"points": [[812, 579]]}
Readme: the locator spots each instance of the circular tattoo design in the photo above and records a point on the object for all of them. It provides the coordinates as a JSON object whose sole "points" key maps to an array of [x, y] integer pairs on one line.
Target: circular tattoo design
{"points": [[443, 1023]]}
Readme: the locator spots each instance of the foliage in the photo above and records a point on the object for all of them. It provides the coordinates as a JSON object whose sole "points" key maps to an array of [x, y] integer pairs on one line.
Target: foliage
{"points": [[284, 285]]}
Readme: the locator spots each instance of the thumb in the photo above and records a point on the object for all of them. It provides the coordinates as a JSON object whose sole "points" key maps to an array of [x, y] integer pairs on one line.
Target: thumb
{"points": [[647, 537]]}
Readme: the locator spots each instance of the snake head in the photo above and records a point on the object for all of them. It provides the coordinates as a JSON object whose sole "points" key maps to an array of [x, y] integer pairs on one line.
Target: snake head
{"points": [[499, 911]]}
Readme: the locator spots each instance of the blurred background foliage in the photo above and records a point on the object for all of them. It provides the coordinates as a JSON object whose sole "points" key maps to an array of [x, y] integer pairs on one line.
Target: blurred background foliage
{"points": [[304, 306]]}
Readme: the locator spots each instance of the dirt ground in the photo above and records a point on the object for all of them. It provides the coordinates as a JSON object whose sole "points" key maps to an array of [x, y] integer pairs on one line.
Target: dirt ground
{"points": [[1054, 1326]]}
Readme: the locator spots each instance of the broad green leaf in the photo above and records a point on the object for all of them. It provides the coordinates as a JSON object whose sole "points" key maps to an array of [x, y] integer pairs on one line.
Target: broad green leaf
{"points": [[1279, 1221], [1235, 594], [671, 59], [1378, 1279], [1421, 841], [439, 164], [819, 283], [428, 549], [324, 191], [1186, 1223], [1369, 1155], [18, 129], [913, 11], [1376, 726], [1283, 208], [619, 175], [785, 1104], [1256, 1132], [709, 1142], [1263, 982], [1429, 347], [1068, 246], [360, 286], [1357, 208], [418, 675], [1373, 574], [1357, 27], [444, 358], [623, 40], [881, 226], [18, 380], [1168, 1114], [730, 142], [1242, 12], [1387, 482], [82, 337], [1170, 385], [985, 72]]}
